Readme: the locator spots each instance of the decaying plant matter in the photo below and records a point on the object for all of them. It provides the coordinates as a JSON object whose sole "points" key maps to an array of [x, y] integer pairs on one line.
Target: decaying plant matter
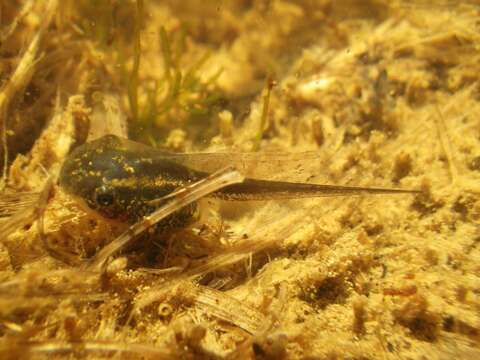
{"points": [[359, 93]]}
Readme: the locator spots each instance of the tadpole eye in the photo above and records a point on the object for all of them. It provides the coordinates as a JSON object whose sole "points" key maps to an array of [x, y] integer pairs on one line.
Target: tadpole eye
{"points": [[104, 198]]}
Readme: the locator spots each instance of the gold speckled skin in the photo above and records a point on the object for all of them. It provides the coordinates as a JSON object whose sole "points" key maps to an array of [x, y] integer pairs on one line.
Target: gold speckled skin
{"points": [[118, 178]]}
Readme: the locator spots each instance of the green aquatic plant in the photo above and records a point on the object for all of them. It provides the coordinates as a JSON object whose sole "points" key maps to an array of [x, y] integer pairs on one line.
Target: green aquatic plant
{"points": [[178, 96], [133, 81], [181, 97], [264, 117], [95, 19]]}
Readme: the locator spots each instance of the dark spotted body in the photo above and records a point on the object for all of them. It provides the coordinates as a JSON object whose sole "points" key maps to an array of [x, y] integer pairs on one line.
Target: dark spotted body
{"points": [[124, 180], [119, 179]]}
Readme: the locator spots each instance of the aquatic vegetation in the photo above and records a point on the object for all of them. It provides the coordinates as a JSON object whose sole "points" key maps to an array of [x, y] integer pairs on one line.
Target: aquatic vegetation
{"points": [[371, 93], [180, 98]]}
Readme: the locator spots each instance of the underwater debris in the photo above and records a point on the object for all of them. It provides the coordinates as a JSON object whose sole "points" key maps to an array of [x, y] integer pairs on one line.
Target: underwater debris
{"points": [[358, 88], [22, 76]]}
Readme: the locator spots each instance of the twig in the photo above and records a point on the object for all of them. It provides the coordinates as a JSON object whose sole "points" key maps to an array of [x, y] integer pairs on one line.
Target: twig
{"points": [[10, 29], [184, 196], [23, 74], [65, 347], [446, 143]]}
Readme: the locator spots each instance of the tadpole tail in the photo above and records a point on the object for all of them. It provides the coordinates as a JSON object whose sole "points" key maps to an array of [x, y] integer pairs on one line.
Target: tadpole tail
{"points": [[252, 189]]}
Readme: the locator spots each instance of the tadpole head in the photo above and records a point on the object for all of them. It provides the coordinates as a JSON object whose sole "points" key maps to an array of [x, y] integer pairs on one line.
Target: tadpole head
{"points": [[119, 178], [87, 172]]}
